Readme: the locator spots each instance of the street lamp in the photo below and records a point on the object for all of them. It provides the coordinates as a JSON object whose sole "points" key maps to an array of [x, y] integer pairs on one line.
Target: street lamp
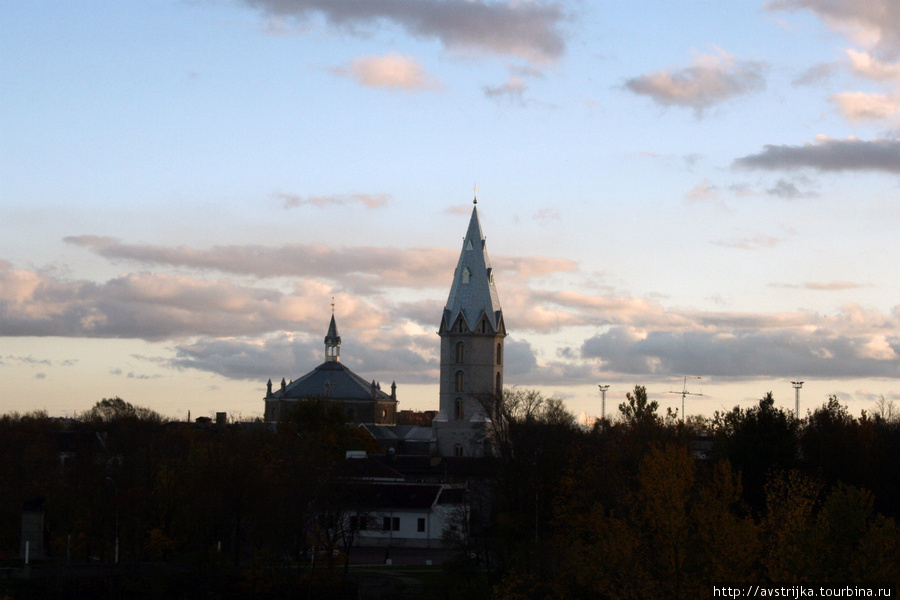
{"points": [[797, 385], [116, 490], [603, 389]]}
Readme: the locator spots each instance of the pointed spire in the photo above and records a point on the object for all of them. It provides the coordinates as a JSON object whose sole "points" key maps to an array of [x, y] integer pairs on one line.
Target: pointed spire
{"points": [[473, 292], [332, 340]]}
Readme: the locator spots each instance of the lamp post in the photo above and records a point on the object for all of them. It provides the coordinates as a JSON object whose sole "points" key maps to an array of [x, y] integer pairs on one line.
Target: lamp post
{"points": [[603, 389], [797, 385], [116, 490]]}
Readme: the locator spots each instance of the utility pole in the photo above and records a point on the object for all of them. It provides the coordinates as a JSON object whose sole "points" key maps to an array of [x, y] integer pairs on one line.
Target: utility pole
{"points": [[603, 389], [684, 393], [797, 385]]}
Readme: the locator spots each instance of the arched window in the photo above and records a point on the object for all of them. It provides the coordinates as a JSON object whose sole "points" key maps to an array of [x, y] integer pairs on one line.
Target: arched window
{"points": [[458, 450], [460, 352], [484, 327], [460, 381], [459, 409], [499, 354], [499, 385]]}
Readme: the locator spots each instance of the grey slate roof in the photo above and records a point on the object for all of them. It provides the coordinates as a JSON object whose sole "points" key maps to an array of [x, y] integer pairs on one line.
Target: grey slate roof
{"points": [[342, 384], [479, 294], [412, 433], [398, 496]]}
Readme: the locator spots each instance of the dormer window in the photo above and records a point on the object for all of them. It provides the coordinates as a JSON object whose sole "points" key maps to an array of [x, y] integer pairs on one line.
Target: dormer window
{"points": [[465, 275]]}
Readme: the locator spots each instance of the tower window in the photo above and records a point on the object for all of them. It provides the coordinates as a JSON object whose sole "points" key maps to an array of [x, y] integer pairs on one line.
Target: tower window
{"points": [[460, 381], [460, 352], [459, 409], [499, 385], [499, 354]]}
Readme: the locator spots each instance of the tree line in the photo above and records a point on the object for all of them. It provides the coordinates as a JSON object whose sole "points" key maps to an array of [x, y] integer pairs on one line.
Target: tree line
{"points": [[650, 506], [643, 506]]}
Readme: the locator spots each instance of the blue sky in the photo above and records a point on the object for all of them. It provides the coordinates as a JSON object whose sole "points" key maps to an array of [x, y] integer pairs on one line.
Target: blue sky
{"points": [[667, 189]]}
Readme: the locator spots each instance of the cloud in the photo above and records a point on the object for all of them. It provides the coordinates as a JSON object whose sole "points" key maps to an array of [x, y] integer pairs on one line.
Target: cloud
{"points": [[788, 189], [704, 192], [362, 269], [367, 200], [816, 75], [163, 306], [750, 243], [528, 30], [546, 214], [827, 286], [746, 353], [512, 89], [863, 106], [865, 65], [391, 356], [710, 80], [828, 154], [392, 71], [29, 360], [871, 23]]}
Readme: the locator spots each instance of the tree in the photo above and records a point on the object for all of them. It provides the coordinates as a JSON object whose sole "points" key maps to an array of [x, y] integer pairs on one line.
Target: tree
{"points": [[666, 478], [109, 410], [637, 411], [758, 442]]}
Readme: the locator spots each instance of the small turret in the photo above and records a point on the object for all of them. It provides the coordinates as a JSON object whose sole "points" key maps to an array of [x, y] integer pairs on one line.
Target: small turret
{"points": [[332, 341], [268, 389]]}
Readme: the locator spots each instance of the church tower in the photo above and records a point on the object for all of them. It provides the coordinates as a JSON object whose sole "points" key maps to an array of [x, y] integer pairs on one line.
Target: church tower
{"points": [[472, 335]]}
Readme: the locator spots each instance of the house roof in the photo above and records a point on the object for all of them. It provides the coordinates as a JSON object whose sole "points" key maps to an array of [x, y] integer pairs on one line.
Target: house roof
{"points": [[411, 433], [367, 469], [438, 467], [399, 496]]}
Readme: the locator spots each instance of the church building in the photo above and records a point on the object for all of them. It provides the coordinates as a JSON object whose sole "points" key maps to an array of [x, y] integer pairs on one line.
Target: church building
{"points": [[472, 334], [332, 380]]}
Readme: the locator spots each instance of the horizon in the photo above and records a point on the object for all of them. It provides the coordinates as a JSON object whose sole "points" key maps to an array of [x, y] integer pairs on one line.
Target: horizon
{"points": [[186, 188]]}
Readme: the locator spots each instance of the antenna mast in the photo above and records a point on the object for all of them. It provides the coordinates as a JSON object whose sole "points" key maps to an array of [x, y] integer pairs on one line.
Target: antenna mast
{"points": [[684, 393]]}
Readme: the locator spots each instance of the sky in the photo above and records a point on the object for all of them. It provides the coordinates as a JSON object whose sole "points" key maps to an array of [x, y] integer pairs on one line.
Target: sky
{"points": [[668, 189]]}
